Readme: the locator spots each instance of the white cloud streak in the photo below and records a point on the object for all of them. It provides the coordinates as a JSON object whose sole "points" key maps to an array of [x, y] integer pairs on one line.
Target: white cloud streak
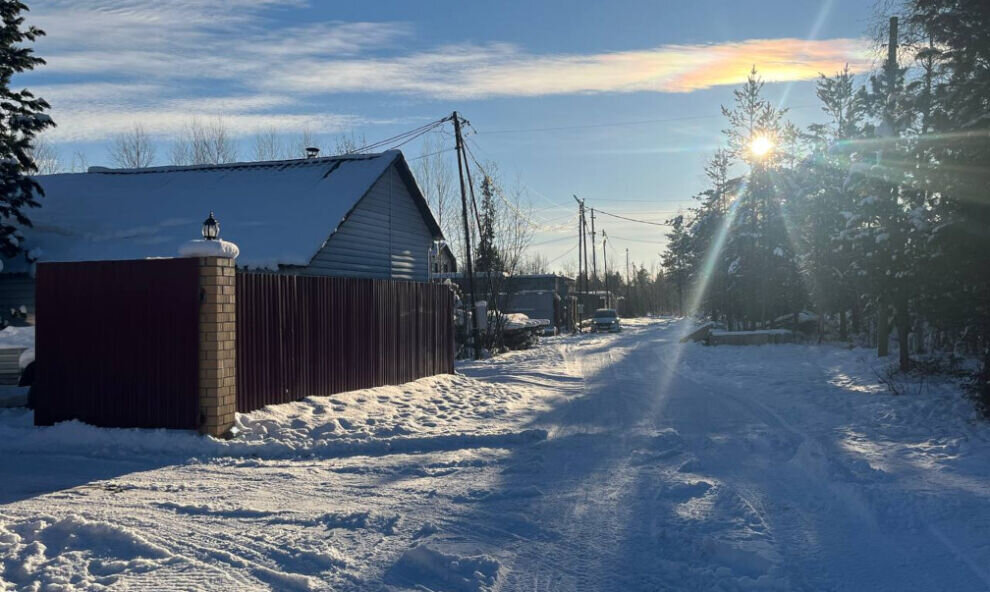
{"points": [[503, 70], [160, 63]]}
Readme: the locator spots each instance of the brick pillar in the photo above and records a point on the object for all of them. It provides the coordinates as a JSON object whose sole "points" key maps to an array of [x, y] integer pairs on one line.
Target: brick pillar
{"points": [[217, 335]]}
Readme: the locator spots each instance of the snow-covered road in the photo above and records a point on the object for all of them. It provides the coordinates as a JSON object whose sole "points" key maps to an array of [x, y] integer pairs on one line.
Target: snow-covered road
{"points": [[611, 462]]}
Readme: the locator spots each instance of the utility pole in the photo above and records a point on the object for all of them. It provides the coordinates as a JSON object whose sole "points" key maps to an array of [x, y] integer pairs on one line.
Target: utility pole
{"points": [[475, 333], [594, 264], [608, 297], [584, 229], [883, 328], [628, 293], [581, 254]]}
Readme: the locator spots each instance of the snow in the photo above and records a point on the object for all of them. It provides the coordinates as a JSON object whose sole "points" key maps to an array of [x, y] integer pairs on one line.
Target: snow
{"points": [[518, 320], [593, 462], [17, 336], [11, 337], [277, 212], [209, 248], [734, 266], [755, 332]]}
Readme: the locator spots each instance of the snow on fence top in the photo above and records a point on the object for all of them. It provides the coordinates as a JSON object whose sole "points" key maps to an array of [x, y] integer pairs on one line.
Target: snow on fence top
{"points": [[278, 212]]}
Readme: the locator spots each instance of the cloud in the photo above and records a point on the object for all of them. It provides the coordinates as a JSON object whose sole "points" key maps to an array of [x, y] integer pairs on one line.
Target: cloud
{"points": [[166, 122], [160, 63], [476, 72]]}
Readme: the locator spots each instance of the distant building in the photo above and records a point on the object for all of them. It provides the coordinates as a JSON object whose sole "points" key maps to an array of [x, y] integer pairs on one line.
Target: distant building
{"points": [[444, 262], [591, 300], [539, 296], [359, 215]]}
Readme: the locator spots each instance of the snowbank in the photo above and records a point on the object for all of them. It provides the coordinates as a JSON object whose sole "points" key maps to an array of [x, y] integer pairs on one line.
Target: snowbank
{"points": [[432, 414]]}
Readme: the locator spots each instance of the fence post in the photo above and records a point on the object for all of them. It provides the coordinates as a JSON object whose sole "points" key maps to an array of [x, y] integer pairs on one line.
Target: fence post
{"points": [[217, 338]]}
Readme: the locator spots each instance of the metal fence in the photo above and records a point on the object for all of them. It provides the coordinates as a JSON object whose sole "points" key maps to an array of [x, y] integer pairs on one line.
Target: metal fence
{"points": [[117, 343], [299, 336]]}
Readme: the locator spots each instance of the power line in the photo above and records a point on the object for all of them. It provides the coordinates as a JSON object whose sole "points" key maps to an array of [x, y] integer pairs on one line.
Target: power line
{"points": [[551, 241], [421, 156], [565, 254], [540, 226], [636, 240], [600, 211], [400, 139], [539, 194]]}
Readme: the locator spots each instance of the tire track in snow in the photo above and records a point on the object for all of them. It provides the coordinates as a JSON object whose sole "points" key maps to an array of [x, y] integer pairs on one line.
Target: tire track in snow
{"points": [[592, 506], [815, 463]]}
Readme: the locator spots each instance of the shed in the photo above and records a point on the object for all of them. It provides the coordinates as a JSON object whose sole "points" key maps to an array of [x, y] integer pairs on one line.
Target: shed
{"points": [[538, 296], [359, 215]]}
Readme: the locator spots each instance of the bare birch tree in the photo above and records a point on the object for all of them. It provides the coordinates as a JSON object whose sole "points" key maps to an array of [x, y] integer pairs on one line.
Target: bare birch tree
{"points": [[204, 144], [536, 264], [132, 149], [45, 157], [268, 145], [435, 177], [306, 140], [348, 143], [79, 164]]}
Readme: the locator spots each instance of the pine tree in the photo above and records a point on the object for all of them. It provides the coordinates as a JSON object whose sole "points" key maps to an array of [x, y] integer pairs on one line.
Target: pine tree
{"points": [[21, 118]]}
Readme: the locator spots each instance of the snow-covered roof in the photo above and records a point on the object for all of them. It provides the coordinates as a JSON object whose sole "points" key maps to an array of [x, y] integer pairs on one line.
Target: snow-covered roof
{"points": [[277, 212]]}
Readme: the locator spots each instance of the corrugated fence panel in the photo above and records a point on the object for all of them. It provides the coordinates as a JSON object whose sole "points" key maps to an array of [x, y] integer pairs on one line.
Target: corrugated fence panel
{"points": [[299, 336], [118, 343]]}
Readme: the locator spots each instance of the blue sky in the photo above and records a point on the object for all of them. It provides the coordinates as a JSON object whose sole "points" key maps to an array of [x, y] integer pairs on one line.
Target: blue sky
{"points": [[636, 86]]}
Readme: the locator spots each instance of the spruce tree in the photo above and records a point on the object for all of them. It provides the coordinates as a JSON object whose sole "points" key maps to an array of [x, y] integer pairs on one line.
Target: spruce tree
{"points": [[825, 206], [488, 259], [676, 261], [758, 247], [22, 117], [955, 174]]}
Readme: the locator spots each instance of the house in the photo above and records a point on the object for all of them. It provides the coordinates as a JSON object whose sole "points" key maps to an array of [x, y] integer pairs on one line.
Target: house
{"points": [[444, 262], [591, 300], [359, 215]]}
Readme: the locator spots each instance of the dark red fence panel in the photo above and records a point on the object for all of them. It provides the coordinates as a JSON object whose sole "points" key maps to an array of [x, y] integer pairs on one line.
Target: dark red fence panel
{"points": [[299, 336], [118, 343]]}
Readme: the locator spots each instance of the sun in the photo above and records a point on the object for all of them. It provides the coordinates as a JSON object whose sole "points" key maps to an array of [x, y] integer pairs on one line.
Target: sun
{"points": [[761, 146]]}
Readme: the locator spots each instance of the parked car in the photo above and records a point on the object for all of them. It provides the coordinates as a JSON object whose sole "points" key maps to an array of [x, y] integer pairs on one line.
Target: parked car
{"points": [[606, 319]]}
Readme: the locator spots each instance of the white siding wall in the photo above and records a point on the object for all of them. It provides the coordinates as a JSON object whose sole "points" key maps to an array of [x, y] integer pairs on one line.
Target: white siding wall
{"points": [[384, 237]]}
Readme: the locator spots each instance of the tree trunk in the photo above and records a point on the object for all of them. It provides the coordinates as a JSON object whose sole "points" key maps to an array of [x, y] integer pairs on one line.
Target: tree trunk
{"points": [[883, 328], [903, 329], [843, 332]]}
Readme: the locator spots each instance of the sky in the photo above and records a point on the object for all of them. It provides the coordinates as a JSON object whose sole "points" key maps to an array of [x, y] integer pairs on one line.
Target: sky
{"points": [[616, 102]]}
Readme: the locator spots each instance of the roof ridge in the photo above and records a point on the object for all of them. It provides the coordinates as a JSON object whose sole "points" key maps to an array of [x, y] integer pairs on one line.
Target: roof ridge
{"points": [[260, 164]]}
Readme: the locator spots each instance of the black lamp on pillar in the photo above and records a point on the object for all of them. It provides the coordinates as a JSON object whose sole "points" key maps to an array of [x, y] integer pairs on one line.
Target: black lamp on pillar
{"points": [[211, 228]]}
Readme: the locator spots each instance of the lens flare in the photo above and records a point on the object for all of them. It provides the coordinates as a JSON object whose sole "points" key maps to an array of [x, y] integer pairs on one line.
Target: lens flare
{"points": [[761, 146]]}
